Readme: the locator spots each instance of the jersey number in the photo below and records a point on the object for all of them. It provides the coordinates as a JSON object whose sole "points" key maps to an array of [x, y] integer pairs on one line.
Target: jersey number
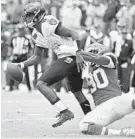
{"points": [[98, 80]]}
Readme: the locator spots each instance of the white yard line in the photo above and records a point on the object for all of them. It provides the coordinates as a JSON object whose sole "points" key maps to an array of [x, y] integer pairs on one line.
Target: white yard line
{"points": [[40, 119], [36, 119], [28, 101]]}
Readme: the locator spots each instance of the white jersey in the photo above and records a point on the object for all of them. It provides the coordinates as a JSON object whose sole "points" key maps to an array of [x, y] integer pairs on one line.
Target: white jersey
{"points": [[47, 38]]}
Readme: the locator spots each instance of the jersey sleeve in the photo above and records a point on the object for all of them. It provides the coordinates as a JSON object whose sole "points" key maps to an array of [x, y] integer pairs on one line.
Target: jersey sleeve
{"points": [[50, 25], [113, 60]]}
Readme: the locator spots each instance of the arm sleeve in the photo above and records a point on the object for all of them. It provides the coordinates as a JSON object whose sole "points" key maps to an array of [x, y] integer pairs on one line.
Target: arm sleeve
{"points": [[113, 60]]}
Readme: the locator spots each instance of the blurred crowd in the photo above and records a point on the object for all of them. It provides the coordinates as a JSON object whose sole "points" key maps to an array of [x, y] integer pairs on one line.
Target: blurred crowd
{"points": [[109, 22]]}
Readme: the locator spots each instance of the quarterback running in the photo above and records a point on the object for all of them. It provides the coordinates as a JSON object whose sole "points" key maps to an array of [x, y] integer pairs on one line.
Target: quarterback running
{"points": [[111, 105], [48, 32]]}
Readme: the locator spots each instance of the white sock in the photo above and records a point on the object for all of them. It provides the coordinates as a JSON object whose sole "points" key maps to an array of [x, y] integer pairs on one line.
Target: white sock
{"points": [[114, 132], [104, 130], [132, 90], [60, 106]]}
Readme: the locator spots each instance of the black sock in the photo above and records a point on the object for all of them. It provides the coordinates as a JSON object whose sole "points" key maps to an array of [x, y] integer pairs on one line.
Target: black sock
{"points": [[85, 106]]}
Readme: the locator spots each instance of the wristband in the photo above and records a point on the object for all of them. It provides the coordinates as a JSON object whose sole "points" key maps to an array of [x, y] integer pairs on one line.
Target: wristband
{"points": [[78, 50], [22, 65]]}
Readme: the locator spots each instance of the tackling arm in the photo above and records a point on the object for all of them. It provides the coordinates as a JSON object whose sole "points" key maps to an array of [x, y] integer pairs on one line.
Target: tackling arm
{"points": [[97, 59]]}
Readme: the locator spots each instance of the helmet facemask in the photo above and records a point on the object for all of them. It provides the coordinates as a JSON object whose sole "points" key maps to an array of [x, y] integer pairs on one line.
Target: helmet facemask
{"points": [[28, 19]]}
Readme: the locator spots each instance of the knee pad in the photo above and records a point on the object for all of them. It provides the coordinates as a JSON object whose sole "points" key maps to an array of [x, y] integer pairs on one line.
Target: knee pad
{"points": [[91, 128], [40, 83]]}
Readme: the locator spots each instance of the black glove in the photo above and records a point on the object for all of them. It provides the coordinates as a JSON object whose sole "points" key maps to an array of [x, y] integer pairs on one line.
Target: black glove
{"points": [[20, 65]]}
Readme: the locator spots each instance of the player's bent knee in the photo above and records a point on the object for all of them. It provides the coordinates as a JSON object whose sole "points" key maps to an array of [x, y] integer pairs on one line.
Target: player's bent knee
{"points": [[91, 128], [40, 83]]}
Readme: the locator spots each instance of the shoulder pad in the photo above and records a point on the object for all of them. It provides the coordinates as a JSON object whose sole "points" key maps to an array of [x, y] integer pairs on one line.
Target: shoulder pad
{"points": [[50, 19]]}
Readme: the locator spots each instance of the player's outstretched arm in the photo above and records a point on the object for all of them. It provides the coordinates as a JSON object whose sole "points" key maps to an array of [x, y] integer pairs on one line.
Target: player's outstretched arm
{"points": [[97, 59], [66, 32], [34, 59]]}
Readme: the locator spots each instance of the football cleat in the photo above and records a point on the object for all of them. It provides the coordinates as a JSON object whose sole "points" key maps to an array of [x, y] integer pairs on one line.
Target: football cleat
{"points": [[128, 131], [33, 13], [63, 117]]}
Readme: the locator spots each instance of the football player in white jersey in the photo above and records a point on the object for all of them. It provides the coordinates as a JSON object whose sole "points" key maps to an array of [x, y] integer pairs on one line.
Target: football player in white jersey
{"points": [[101, 77], [48, 32]]}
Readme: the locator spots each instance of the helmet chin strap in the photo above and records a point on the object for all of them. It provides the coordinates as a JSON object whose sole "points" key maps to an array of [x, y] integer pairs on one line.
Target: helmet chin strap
{"points": [[40, 18], [30, 25]]}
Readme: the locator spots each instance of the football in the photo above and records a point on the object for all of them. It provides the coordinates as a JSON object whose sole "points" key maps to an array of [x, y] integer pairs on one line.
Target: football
{"points": [[15, 72]]}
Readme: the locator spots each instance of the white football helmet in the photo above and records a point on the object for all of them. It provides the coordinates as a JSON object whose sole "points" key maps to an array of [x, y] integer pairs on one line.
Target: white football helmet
{"points": [[33, 13]]}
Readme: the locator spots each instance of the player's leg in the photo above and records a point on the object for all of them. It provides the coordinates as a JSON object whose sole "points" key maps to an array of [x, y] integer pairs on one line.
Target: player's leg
{"points": [[127, 102], [56, 72], [76, 83], [26, 71], [95, 122]]}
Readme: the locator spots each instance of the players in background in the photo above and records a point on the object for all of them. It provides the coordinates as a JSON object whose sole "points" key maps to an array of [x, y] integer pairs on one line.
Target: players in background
{"points": [[21, 46], [97, 36], [132, 77], [123, 49], [5, 54], [101, 77], [48, 32]]}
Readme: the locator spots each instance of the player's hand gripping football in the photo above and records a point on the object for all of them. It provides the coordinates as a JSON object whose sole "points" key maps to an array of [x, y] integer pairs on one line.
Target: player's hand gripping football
{"points": [[79, 61], [20, 65]]}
